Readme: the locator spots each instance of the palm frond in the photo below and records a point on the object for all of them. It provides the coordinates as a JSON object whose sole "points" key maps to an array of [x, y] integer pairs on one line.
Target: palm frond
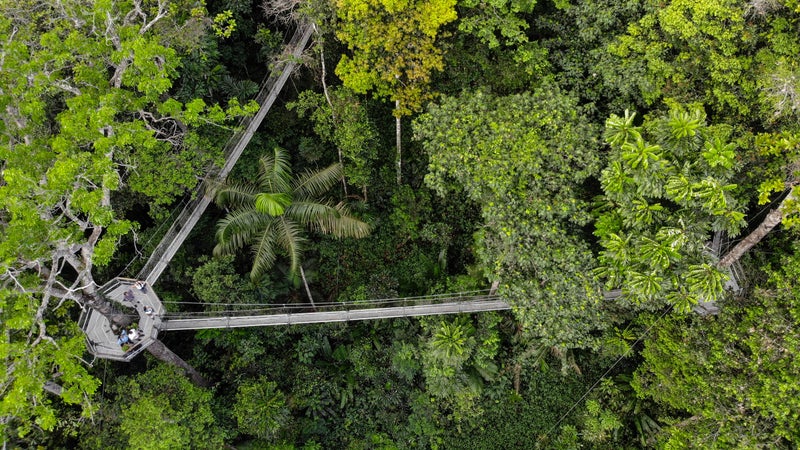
{"points": [[234, 195], [343, 225], [314, 184], [263, 252], [236, 230], [275, 172], [309, 213], [272, 203], [289, 236]]}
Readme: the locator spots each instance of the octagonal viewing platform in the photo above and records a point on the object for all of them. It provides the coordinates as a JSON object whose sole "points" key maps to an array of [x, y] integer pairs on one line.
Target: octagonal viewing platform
{"points": [[102, 337]]}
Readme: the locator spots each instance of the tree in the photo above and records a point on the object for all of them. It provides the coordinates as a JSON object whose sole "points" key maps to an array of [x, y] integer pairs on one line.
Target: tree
{"points": [[343, 122], [217, 283], [487, 19], [270, 216], [85, 110], [691, 51], [260, 408], [394, 51], [522, 158], [457, 359], [160, 409], [732, 378], [667, 187]]}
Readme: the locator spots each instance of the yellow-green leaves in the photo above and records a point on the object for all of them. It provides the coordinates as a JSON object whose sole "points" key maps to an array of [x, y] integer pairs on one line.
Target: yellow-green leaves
{"points": [[394, 47], [666, 200], [224, 24], [692, 50], [718, 153], [272, 203]]}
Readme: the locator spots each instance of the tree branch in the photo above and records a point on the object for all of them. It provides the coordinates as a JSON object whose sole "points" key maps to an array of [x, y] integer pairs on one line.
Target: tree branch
{"points": [[770, 221]]}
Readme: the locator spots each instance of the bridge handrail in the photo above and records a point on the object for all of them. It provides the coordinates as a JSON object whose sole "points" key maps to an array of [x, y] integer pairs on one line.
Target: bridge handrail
{"points": [[332, 307]]}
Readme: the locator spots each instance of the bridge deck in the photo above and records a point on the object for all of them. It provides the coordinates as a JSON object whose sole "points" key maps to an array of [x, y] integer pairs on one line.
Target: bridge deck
{"points": [[101, 336], [469, 306]]}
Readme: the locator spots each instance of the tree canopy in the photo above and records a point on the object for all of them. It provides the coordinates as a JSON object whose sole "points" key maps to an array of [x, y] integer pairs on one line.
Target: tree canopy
{"points": [[603, 167]]}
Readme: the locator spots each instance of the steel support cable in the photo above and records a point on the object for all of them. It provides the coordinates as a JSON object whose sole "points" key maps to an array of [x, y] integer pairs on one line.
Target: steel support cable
{"points": [[446, 296], [326, 308]]}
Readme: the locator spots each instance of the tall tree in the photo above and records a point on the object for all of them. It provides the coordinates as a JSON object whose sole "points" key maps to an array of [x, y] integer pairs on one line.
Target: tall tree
{"points": [[270, 217], [522, 159], [667, 186], [84, 110], [394, 51]]}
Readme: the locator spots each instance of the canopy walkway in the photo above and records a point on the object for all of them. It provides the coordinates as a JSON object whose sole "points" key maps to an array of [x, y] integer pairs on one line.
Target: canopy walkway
{"points": [[467, 302], [203, 195]]}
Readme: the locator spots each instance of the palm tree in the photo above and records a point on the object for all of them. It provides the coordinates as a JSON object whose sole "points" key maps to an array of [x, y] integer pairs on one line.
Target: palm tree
{"points": [[271, 217]]}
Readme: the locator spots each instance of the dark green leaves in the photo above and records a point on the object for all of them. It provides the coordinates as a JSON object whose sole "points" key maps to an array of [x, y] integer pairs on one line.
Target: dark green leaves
{"points": [[271, 217]]}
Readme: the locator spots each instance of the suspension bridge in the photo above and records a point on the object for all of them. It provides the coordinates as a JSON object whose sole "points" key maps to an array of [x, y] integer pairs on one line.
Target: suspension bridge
{"points": [[143, 303], [271, 315]]}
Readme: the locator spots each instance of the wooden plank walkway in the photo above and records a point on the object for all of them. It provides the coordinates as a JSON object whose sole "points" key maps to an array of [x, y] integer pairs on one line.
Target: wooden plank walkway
{"points": [[183, 225], [468, 306], [101, 337]]}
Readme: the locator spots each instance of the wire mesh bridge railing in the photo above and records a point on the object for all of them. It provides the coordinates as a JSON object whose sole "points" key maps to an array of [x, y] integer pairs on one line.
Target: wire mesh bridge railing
{"points": [[287, 314]]}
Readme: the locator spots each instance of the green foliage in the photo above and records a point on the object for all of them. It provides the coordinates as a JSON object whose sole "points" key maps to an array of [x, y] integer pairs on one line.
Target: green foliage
{"points": [[778, 67], [260, 408], [776, 169], [86, 111], [522, 158], [161, 409], [269, 217], [456, 361], [32, 351], [496, 22], [394, 47], [599, 423], [576, 40], [735, 374], [524, 418], [667, 187], [217, 283], [224, 24], [691, 51], [352, 131]]}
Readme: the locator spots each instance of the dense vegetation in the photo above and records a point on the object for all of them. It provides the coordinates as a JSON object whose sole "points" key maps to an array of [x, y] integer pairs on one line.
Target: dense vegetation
{"points": [[610, 163]]}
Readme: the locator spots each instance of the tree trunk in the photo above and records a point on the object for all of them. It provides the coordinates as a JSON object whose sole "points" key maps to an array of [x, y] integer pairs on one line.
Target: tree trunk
{"points": [[399, 149], [333, 112], [106, 308], [305, 283], [771, 221], [162, 353], [157, 348]]}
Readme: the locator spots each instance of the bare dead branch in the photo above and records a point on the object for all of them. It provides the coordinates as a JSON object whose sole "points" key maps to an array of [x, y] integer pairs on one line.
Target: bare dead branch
{"points": [[282, 11], [160, 14]]}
